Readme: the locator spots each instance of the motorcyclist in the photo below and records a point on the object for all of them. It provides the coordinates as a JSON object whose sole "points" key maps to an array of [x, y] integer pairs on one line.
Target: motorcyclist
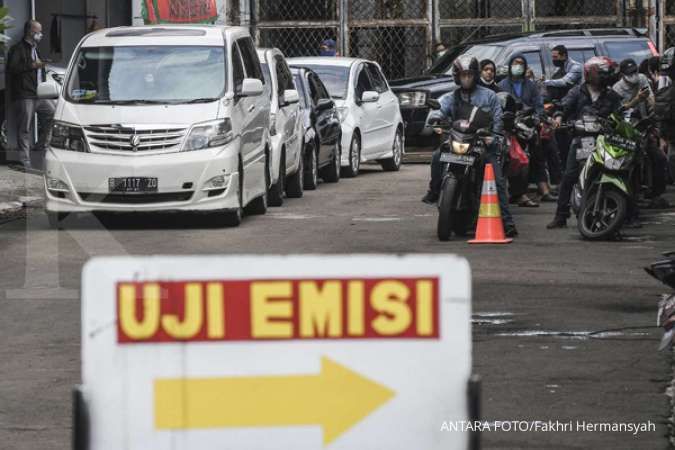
{"points": [[526, 92], [594, 95], [638, 98], [461, 104], [664, 108]]}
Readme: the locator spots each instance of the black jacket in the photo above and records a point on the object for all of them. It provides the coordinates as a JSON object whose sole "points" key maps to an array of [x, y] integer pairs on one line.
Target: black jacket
{"points": [[22, 78], [579, 102], [492, 86]]}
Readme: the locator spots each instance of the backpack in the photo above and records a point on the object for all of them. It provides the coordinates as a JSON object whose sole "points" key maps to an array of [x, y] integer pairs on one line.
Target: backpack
{"points": [[664, 106]]}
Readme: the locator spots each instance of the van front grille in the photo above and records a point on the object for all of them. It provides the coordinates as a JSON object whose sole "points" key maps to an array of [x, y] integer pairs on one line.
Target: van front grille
{"points": [[127, 138], [135, 199]]}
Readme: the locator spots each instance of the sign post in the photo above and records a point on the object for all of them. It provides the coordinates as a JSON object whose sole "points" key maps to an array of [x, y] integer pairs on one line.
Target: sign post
{"points": [[272, 352]]}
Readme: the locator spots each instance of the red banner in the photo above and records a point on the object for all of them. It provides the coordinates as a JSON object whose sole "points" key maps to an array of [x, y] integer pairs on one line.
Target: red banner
{"points": [[391, 308], [180, 11]]}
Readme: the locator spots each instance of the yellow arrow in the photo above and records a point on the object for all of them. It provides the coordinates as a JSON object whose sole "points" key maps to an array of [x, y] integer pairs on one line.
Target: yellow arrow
{"points": [[336, 399]]}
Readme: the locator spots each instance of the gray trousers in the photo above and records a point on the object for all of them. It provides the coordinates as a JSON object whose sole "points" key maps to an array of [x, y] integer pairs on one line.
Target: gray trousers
{"points": [[25, 110]]}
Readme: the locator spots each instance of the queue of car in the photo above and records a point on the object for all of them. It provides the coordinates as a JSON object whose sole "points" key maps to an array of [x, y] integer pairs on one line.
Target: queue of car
{"points": [[196, 119]]}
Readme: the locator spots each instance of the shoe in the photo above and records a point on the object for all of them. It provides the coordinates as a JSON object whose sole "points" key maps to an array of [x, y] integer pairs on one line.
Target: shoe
{"points": [[529, 203], [431, 198], [558, 222], [511, 231], [548, 198]]}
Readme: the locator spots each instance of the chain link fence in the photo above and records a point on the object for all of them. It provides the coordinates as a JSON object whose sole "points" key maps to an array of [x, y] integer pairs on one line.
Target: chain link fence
{"points": [[668, 23], [400, 34]]}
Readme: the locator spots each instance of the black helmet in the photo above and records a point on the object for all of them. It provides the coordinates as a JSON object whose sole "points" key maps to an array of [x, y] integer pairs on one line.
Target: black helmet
{"points": [[464, 64], [668, 62]]}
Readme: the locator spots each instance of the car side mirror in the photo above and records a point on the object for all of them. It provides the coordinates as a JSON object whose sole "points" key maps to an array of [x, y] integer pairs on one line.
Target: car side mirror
{"points": [[325, 104], [370, 97], [49, 90], [251, 87], [291, 96]]}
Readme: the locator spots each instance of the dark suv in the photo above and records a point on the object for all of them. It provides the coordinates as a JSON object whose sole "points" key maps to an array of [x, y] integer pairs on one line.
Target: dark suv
{"points": [[617, 43]]}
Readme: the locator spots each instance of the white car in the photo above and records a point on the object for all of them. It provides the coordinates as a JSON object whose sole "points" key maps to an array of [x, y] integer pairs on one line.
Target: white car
{"points": [[286, 128], [160, 119], [372, 127]]}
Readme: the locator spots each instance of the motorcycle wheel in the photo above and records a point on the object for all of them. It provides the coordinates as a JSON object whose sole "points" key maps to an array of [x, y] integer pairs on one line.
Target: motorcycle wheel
{"points": [[577, 198], [608, 220], [445, 208]]}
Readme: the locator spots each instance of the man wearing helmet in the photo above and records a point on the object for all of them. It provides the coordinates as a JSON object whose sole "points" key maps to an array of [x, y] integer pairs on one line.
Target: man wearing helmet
{"points": [[480, 105], [594, 96], [664, 107]]}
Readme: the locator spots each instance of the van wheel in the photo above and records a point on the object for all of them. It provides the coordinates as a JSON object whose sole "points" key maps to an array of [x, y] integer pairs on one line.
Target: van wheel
{"points": [[295, 187], [232, 218], [258, 206], [311, 169], [275, 196], [331, 173]]}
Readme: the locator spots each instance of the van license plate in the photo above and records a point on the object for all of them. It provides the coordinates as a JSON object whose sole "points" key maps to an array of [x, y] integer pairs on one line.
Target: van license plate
{"points": [[132, 184], [464, 160]]}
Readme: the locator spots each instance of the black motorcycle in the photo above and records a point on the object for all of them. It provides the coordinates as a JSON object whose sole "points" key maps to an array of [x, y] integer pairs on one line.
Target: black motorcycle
{"points": [[463, 157], [664, 271]]}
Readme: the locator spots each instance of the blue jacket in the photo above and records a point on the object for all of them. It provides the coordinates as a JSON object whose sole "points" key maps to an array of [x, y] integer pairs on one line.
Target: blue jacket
{"points": [[574, 75], [530, 95], [481, 97]]}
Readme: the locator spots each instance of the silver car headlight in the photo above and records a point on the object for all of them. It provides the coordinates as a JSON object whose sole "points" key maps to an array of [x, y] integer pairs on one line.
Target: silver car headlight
{"points": [[413, 99], [208, 135], [68, 137]]}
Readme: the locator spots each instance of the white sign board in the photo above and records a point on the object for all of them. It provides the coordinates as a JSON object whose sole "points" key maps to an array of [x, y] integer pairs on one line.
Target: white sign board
{"points": [[278, 353]]}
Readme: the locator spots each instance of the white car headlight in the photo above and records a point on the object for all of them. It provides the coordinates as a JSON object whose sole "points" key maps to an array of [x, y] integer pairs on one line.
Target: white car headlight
{"points": [[68, 137], [217, 183], [208, 135], [414, 99]]}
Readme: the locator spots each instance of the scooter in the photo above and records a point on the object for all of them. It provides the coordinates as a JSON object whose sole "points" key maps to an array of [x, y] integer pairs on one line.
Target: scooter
{"points": [[605, 180]]}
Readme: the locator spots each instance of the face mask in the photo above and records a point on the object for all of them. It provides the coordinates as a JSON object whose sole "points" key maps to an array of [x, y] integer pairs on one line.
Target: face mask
{"points": [[518, 70], [632, 79], [559, 62], [37, 37]]}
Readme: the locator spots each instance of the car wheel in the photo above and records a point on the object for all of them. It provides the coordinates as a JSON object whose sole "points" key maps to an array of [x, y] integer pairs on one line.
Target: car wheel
{"points": [[275, 197], [352, 170], [311, 178], [295, 186], [331, 173], [232, 218], [393, 164]]}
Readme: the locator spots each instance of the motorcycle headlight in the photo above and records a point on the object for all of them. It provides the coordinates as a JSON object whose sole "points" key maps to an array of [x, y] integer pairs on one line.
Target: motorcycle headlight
{"points": [[612, 163], [414, 99], [208, 135], [460, 148], [68, 137]]}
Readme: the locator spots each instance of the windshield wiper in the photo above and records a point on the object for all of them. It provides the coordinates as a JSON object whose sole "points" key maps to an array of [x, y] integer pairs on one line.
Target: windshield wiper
{"points": [[138, 102], [200, 100]]}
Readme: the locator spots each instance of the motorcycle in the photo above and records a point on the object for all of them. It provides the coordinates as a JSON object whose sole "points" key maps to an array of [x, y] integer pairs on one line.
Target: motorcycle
{"points": [[664, 271], [612, 151], [463, 158]]}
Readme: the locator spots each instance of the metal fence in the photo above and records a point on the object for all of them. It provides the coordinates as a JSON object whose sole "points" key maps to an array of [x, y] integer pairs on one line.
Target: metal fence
{"points": [[666, 13], [400, 34]]}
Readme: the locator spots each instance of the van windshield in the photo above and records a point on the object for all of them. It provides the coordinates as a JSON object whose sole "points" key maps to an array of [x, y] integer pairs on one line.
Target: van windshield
{"points": [[148, 75]]}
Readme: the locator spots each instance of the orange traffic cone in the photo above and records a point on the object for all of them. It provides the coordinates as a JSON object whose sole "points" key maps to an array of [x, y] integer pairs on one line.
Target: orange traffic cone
{"points": [[490, 229]]}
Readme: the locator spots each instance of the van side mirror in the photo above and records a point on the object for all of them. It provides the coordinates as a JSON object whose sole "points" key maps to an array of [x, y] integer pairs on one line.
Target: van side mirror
{"points": [[251, 87], [370, 97], [48, 90], [291, 96]]}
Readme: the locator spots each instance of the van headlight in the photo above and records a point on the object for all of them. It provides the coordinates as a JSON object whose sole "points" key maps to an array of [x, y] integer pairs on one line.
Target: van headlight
{"points": [[68, 137], [414, 99], [460, 148], [208, 135]]}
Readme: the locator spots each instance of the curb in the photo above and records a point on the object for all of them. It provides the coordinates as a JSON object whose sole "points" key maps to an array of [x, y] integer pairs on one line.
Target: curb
{"points": [[17, 209]]}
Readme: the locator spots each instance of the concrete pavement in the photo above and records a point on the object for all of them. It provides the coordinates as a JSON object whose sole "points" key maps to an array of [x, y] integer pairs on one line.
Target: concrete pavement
{"points": [[541, 306]]}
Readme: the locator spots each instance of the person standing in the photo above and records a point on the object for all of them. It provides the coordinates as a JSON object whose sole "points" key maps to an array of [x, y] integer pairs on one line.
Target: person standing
{"points": [[488, 72], [328, 48], [24, 67]]}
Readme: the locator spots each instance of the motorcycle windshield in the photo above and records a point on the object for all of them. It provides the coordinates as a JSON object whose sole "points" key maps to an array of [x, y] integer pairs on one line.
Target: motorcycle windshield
{"points": [[464, 138]]}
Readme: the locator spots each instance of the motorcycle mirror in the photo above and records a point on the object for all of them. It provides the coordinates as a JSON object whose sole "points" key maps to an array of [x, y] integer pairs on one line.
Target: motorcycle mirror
{"points": [[433, 103]]}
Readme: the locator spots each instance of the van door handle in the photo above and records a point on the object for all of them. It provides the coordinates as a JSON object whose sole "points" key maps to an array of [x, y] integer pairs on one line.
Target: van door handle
{"points": [[251, 108]]}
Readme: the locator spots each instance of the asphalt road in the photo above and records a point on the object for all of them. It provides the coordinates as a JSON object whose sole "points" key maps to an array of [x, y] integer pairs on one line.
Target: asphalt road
{"points": [[535, 304]]}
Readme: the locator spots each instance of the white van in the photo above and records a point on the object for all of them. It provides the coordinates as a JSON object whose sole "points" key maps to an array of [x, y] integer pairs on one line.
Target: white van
{"points": [[160, 118]]}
